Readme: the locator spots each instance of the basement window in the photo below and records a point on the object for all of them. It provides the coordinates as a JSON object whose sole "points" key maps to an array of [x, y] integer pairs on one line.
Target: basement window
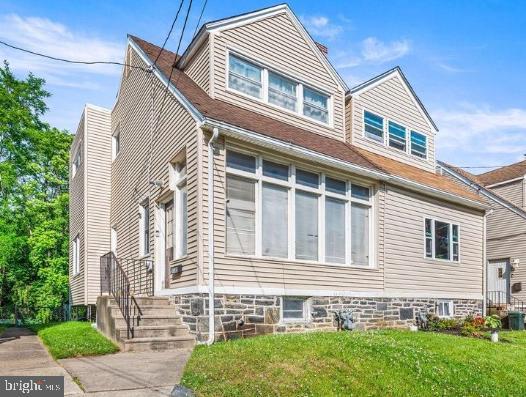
{"points": [[444, 309], [293, 309]]}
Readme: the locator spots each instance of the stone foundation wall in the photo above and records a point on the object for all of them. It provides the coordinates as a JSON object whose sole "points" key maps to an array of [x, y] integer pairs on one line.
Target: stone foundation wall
{"points": [[248, 315]]}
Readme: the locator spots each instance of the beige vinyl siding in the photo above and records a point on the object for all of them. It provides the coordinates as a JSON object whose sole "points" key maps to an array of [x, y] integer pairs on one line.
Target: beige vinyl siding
{"points": [[199, 67], [407, 269], [513, 192], [76, 218], [276, 43], [511, 247], [145, 156], [98, 185], [390, 100]]}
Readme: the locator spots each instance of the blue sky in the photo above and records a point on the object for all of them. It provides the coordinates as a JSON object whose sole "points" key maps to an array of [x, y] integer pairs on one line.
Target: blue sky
{"points": [[465, 59]]}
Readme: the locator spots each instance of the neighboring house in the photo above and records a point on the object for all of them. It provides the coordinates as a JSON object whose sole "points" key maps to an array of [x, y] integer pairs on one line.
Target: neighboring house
{"points": [[504, 189], [263, 181]]}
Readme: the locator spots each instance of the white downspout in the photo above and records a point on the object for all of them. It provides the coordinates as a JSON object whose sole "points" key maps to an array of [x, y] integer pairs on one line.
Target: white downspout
{"points": [[211, 306], [484, 261]]}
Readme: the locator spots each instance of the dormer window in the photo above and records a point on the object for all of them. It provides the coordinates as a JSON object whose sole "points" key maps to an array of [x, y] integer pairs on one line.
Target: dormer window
{"points": [[397, 138], [418, 144], [276, 89], [245, 77], [315, 105], [282, 91], [374, 126]]}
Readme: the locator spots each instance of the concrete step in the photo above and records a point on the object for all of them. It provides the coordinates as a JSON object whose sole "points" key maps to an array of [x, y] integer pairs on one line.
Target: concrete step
{"points": [[148, 320], [154, 331], [150, 310], [158, 343]]}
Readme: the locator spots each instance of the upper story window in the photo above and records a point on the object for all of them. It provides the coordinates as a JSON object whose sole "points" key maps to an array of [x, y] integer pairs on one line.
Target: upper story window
{"points": [[274, 209], [373, 126], [418, 144], [397, 136], [277, 90], [115, 143], [442, 240], [245, 77], [282, 91], [77, 160], [315, 105]]}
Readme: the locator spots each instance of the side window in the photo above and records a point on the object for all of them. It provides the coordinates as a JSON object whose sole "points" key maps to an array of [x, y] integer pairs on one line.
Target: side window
{"points": [[442, 240], [397, 136], [115, 143], [418, 144], [315, 105], [373, 126], [244, 76]]}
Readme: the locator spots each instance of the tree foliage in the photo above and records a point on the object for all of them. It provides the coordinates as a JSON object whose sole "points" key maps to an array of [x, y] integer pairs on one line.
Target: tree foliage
{"points": [[34, 160]]}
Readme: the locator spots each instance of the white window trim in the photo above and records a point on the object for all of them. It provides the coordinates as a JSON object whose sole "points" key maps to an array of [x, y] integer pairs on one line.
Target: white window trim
{"points": [[114, 137], [306, 311], [451, 308], [450, 223], [385, 141], [292, 188], [75, 268], [180, 182], [265, 85], [74, 166], [143, 250]]}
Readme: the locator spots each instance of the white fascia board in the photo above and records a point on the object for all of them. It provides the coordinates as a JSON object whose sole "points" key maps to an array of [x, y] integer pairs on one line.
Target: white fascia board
{"points": [[311, 155], [505, 182], [241, 20], [201, 289], [485, 192], [171, 87], [98, 108]]}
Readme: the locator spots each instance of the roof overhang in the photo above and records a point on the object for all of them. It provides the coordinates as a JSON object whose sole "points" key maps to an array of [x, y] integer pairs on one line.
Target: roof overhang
{"points": [[395, 72], [254, 16]]}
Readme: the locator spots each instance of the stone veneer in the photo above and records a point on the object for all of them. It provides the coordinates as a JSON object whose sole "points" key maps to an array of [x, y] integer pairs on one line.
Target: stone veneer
{"points": [[248, 315]]}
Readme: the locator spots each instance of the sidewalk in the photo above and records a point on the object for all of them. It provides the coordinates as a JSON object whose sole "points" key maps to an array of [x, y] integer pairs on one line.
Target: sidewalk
{"points": [[26, 356]]}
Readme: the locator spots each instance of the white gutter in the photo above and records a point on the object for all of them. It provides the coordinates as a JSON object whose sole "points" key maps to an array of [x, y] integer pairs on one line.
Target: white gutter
{"points": [[298, 151], [211, 306], [484, 262]]}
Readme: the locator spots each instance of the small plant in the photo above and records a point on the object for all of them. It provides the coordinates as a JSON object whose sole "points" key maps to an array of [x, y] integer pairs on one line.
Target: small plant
{"points": [[493, 322]]}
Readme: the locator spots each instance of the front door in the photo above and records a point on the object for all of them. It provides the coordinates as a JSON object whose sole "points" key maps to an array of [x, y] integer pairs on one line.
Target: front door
{"points": [[169, 239], [498, 280]]}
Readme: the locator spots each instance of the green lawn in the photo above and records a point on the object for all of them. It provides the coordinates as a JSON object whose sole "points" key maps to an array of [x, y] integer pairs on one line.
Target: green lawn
{"points": [[74, 339], [378, 363]]}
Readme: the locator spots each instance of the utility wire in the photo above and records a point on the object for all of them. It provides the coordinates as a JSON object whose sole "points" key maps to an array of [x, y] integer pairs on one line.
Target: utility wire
{"points": [[72, 61], [169, 32]]}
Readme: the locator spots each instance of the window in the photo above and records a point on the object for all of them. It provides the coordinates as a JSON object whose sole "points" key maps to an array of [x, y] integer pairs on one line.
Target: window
{"points": [[244, 76], [280, 211], [397, 138], [444, 309], [144, 228], [282, 91], [441, 240], [77, 159], [315, 105], [293, 309], [115, 144], [76, 255], [274, 88], [373, 126], [181, 212], [418, 144]]}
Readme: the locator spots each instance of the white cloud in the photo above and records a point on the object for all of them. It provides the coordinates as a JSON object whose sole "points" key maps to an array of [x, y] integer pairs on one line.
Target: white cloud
{"points": [[449, 68], [321, 26], [481, 133], [374, 51], [45, 36]]}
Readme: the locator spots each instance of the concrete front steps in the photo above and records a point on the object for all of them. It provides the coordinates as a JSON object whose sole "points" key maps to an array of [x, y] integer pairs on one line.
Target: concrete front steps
{"points": [[159, 328]]}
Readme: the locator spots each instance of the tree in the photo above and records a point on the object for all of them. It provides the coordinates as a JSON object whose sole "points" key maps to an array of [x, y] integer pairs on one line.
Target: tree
{"points": [[34, 160]]}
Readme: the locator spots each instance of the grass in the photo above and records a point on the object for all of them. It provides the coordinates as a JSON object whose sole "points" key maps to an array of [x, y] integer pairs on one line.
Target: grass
{"points": [[386, 363], [74, 339], [2, 329]]}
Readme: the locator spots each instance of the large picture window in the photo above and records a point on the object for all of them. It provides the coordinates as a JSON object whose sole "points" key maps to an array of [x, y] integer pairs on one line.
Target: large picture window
{"points": [[441, 240], [274, 209]]}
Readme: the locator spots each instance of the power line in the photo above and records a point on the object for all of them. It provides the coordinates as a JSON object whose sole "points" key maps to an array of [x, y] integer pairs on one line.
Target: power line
{"points": [[72, 61], [169, 32]]}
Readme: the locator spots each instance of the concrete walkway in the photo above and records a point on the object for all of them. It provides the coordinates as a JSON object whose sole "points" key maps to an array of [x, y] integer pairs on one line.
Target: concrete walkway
{"points": [[22, 353], [129, 374]]}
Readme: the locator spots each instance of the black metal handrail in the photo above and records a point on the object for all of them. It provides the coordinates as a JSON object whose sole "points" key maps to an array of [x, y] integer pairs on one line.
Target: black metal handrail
{"points": [[124, 279], [496, 299]]}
